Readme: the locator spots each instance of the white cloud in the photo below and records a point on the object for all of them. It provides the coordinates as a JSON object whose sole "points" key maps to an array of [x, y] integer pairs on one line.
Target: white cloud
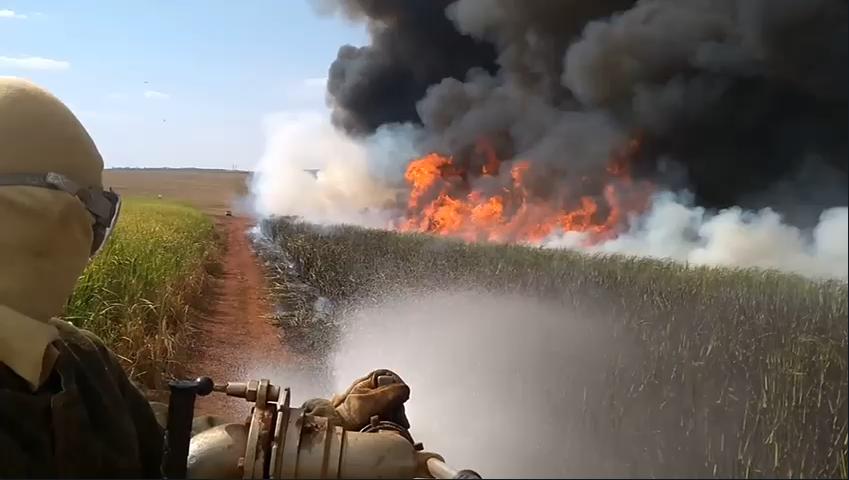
{"points": [[6, 13], [33, 63], [155, 95]]}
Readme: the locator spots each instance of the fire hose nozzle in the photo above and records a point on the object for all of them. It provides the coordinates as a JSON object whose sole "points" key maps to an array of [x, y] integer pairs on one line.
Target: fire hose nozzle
{"points": [[233, 389], [249, 390]]}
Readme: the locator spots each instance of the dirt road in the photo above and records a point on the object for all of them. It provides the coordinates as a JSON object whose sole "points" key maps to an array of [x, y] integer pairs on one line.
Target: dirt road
{"points": [[233, 334]]}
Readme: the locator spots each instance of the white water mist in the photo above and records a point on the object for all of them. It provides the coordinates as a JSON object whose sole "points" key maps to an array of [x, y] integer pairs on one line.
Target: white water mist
{"points": [[497, 381]]}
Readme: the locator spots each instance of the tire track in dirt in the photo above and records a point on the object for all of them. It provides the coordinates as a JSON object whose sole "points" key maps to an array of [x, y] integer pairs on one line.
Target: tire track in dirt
{"points": [[232, 332]]}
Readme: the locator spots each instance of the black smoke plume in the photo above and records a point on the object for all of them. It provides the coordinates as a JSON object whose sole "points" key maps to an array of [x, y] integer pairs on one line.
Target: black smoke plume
{"points": [[413, 46], [740, 101]]}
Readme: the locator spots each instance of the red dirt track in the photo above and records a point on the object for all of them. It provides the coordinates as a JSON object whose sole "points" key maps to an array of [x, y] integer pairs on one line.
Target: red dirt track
{"points": [[233, 330]]}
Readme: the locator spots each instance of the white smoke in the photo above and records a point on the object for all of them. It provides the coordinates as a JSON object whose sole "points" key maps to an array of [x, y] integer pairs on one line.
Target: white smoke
{"points": [[673, 229], [311, 170], [360, 182]]}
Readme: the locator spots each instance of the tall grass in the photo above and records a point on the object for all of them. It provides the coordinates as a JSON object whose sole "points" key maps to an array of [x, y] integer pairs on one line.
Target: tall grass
{"points": [[136, 293], [737, 372]]}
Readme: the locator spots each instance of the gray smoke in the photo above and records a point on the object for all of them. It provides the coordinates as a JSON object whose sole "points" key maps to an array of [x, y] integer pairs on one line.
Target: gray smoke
{"points": [[413, 46], [675, 229], [739, 94], [359, 181], [742, 103]]}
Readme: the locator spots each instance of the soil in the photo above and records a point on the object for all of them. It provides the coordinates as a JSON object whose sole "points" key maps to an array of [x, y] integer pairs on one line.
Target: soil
{"points": [[233, 331]]}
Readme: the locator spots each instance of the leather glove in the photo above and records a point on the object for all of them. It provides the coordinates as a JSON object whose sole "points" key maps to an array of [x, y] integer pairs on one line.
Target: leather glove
{"points": [[321, 407], [381, 392]]}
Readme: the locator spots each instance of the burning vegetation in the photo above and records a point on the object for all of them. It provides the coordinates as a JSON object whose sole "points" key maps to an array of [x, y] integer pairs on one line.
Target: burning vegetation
{"points": [[695, 130], [495, 201], [727, 100], [699, 131]]}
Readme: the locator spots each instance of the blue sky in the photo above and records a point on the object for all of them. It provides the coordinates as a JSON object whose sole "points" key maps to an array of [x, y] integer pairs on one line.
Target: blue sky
{"points": [[175, 83]]}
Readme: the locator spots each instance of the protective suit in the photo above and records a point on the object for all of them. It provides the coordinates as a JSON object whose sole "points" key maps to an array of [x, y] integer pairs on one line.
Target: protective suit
{"points": [[67, 409]]}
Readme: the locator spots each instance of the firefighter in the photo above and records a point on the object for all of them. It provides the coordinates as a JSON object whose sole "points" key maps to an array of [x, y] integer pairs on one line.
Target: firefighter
{"points": [[67, 409]]}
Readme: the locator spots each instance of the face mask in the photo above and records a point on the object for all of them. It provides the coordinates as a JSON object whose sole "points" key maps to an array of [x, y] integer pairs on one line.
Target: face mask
{"points": [[104, 205]]}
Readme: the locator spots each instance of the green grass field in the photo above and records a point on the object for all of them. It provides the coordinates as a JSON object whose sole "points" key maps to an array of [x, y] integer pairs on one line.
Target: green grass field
{"points": [[739, 372], [137, 291]]}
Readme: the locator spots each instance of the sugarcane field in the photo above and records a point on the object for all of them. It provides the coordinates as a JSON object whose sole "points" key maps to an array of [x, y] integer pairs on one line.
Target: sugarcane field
{"points": [[444, 239]]}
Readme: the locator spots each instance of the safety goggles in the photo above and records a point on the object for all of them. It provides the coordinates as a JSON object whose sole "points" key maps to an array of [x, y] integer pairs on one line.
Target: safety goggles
{"points": [[104, 205]]}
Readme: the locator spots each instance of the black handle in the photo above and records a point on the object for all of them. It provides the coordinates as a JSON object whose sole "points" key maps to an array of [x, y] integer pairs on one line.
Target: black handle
{"points": [[181, 409]]}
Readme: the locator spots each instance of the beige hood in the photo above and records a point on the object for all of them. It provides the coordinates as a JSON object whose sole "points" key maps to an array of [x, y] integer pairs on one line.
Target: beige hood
{"points": [[45, 235], [45, 238]]}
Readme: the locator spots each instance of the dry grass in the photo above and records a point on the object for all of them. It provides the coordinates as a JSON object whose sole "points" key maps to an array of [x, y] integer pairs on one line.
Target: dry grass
{"points": [[136, 294], [211, 191], [738, 372]]}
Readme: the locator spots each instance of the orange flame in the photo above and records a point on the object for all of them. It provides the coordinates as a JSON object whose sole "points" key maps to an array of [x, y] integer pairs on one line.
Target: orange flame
{"points": [[435, 206], [422, 174]]}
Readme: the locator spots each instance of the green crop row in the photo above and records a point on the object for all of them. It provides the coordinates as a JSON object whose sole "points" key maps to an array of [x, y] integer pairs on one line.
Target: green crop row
{"points": [[136, 293]]}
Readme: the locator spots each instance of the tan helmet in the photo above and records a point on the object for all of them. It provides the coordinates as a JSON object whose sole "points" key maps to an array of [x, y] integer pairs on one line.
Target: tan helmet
{"points": [[39, 134], [53, 211]]}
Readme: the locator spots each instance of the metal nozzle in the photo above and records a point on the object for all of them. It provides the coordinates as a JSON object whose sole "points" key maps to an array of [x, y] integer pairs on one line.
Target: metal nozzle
{"points": [[248, 390], [234, 389]]}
